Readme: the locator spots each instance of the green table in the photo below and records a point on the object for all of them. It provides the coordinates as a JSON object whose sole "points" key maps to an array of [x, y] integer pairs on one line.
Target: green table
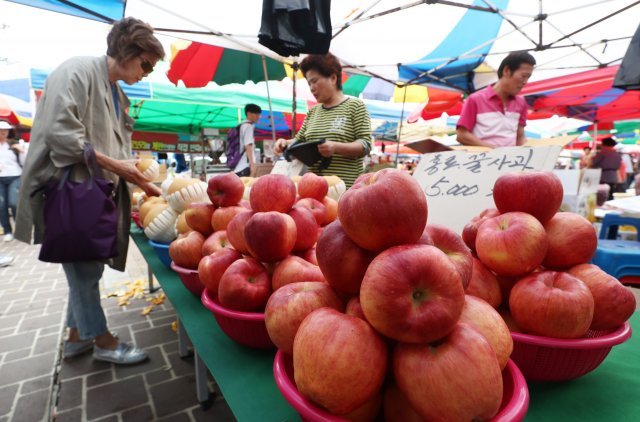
{"points": [[244, 375], [610, 393]]}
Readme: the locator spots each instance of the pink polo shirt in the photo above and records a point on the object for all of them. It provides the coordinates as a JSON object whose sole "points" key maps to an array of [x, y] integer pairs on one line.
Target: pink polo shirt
{"points": [[484, 115]]}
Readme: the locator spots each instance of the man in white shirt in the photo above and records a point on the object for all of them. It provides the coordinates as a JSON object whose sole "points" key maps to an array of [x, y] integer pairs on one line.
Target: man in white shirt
{"points": [[246, 165]]}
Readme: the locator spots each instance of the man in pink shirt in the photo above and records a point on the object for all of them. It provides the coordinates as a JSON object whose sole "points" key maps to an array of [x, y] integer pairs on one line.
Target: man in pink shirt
{"points": [[496, 116]]}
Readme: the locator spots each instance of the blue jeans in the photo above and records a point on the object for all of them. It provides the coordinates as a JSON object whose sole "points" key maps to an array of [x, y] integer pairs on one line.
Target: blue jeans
{"points": [[8, 200], [84, 310]]}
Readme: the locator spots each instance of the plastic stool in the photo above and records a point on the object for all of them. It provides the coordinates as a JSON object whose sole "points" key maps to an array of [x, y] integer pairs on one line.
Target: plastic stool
{"points": [[619, 258], [612, 221]]}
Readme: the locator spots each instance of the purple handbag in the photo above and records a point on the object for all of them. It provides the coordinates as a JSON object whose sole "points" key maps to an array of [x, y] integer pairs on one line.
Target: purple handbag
{"points": [[80, 218]]}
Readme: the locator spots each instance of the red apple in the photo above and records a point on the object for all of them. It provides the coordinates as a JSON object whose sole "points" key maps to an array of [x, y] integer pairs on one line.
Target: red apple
{"points": [[613, 302], [397, 407], [342, 262], [212, 267], [354, 308], [511, 244], [294, 269], [331, 210], [383, 209], [339, 361], [272, 192], [552, 304], [316, 207], [538, 193], [484, 284], [425, 238], [572, 241], [309, 255], [452, 244], [455, 379], [198, 217], [471, 228], [186, 250], [289, 305], [313, 186], [270, 236], [222, 216], [225, 190], [484, 318], [412, 293], [306, 228], [245, 286], [235, 231], [216, 241]]}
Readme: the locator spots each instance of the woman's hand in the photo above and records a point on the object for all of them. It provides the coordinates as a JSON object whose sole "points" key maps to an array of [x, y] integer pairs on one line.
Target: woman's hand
{"points": [[280, 145], [327, 148], [150, 189]]}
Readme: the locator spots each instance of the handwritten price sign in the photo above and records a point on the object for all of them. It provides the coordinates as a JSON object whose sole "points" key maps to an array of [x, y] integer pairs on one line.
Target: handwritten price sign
{"points": [[459, 184]]}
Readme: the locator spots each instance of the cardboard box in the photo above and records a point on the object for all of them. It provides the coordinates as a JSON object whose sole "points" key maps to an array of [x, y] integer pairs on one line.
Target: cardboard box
{"points": [[580, 191]]}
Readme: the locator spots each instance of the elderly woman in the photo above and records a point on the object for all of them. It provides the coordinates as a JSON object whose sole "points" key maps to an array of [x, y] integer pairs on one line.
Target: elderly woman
{"points": [[83, 103], [342, 121], [12, 156]]}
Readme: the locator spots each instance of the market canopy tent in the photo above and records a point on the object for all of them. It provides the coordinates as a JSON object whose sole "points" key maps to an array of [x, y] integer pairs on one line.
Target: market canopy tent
{"points": [[586, 95], [563, 36]]}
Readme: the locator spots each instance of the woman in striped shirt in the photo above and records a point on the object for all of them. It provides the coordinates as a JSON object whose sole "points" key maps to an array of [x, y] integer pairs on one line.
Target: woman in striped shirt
{"points": [[343, 122]]}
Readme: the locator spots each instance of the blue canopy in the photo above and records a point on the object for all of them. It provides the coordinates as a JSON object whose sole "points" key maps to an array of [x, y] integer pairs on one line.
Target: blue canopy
{"points": [[103, 11], [476, 28]]}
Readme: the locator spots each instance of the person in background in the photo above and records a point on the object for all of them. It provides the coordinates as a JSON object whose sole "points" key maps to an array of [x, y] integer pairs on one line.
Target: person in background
{"points": [[629, 171], [496, 116], [584, 160], [246, 165], [12, 156], [83, 103], [609, 160], [343, 122]]}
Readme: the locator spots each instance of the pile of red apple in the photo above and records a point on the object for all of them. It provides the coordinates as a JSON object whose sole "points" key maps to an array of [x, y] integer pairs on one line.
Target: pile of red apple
{"points": [[244, 250], [535, 261], [392, 329]]}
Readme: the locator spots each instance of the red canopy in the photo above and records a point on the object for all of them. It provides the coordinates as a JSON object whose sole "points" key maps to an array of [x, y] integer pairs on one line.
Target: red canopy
{"points": [[586, 95]]}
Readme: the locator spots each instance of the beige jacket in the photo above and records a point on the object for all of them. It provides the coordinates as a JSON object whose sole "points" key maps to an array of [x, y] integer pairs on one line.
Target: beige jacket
{"points": [[77, 106]]}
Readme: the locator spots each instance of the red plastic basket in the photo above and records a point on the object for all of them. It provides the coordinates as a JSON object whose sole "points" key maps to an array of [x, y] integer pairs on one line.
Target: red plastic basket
{"points": [[552, 359], [515, 399], [246, 328], [135, 216], [190, 279]]}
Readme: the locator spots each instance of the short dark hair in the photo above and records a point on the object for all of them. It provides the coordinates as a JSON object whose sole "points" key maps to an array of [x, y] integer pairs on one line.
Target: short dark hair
{"points": [[252, 108], [324, 64], [130, 37], [514, 60], [609, 142]]}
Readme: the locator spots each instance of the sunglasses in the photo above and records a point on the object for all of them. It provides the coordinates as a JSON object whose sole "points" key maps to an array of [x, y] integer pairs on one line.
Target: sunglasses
{"points": [[146, 65]]}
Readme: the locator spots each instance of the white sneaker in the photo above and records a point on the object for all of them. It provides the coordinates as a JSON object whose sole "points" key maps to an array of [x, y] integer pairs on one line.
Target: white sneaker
{"points": [[5, 260], [7, 237]]}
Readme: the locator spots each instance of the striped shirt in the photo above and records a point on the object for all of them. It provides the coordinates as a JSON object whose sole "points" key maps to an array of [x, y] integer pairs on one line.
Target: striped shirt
{"points": [[346, 122], [485, 116]]}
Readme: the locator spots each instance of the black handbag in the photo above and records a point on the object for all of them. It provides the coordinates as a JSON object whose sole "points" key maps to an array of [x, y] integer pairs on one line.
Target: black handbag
{"points": [[80, 218]]}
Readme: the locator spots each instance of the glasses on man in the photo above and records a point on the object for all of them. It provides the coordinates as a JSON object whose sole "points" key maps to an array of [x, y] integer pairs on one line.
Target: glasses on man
{"points": [[146, 65]]}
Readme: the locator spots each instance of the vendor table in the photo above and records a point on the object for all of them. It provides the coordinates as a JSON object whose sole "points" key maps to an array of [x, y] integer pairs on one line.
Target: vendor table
{"points": [[245, 376]]}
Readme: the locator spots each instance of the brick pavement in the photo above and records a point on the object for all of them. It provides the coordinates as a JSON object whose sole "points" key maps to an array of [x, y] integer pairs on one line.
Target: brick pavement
{"points": [[36, 385]]}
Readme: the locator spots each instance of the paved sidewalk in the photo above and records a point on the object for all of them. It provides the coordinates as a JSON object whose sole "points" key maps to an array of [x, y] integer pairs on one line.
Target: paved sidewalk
{"points": [[36, 385]]}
